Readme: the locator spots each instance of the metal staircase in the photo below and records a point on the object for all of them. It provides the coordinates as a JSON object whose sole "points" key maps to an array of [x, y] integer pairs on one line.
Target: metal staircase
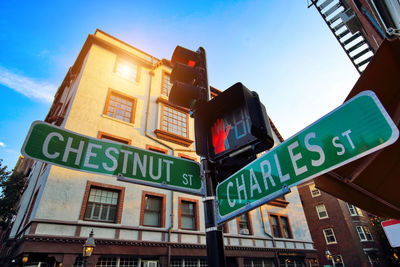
{"points": [[347, 29]]}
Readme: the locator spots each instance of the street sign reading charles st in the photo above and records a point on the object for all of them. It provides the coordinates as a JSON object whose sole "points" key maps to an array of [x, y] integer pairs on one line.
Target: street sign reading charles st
{"points": [[68, 149], [353, 130]]}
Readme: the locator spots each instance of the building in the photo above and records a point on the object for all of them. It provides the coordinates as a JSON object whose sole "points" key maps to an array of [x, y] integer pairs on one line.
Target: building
{"points": [[340, 228], [360, 26], [119, 93]]}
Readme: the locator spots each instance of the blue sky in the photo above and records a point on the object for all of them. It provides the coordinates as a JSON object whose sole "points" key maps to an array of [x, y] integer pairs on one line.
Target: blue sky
{"points": [[280, 49]]}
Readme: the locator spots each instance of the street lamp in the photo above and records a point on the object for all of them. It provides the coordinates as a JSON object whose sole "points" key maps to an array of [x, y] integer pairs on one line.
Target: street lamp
{"points": [[88, 248], [329, 257]]}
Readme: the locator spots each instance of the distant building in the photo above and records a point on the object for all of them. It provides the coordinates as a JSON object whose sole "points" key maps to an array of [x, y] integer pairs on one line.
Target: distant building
{"points": [[117, 92], [340, 228]]}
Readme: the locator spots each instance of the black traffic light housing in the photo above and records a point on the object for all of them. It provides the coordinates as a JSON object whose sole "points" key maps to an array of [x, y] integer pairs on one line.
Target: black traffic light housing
{"points": [[189, 78], [249, 126]]}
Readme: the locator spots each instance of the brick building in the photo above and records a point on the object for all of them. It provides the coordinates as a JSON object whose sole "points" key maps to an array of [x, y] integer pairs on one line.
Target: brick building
{"points": [[340, 228]]}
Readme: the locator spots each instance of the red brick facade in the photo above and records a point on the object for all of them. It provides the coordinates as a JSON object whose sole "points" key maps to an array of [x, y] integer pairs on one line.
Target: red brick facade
{"points": [[353, 251]]}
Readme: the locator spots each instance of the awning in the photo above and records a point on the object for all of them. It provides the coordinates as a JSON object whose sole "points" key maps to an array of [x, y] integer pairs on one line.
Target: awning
{"points": [[372, 183]]}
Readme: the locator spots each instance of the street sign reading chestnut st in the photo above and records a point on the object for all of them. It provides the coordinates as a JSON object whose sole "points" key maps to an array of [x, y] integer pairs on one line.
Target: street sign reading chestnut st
{"points": [[353, 130], [55, 145]]}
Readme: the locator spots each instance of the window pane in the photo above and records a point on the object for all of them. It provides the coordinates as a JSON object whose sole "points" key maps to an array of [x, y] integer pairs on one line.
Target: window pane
{"points": [[188, 223], [151, 219], [321, 211], [174, 121], [244, 226], [361, 233], [102, 205], [367, 233], [128, 262], [314, 191], [152, 211], [120, 107], [188, 215], [330, 238], [107, 262], [187, 208], [285, 227], [166, 85], [275, 226]]}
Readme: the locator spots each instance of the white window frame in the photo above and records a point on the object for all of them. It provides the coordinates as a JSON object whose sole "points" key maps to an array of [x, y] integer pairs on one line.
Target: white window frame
{"points": [[315, 192], [326, 238], [354, 211], [362, 231], [319, 212], [341, 259]]}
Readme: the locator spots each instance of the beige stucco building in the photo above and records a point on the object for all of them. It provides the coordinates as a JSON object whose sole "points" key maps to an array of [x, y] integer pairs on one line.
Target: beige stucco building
{"points": [[117, 92]]}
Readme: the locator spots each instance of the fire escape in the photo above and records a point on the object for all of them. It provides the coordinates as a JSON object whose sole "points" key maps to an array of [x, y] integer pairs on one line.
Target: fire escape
{"points": [[346, 28]]}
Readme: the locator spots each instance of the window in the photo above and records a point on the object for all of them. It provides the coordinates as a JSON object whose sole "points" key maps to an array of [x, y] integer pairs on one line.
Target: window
{"points": [[153, 210], [244, 224], [251, 262], [166, 84], [188, 214], [120, 106], [338, 260], [157, 149], [188, 262], [314, 191], [102, 205], [364, 233], [109, 261], [110, 137], [329, 236], [183, 156], [354, 211], [280, 226], [127, 69], [174, 121], [290, 262], [102, 202], [321, 211]]}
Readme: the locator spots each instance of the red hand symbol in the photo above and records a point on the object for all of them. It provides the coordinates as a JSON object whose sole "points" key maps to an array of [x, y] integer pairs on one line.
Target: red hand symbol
{"points": [[219, 135]]}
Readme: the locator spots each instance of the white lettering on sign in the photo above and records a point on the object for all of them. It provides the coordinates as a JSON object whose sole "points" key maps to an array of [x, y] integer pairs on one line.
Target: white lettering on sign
{"points": [[258, 182], [69, 149], [336, 142], [187, 179], [267, 174], [112, 158], [253, 184], [231, 203], [96, 156], [295, 158], [45, 148], [90, 154], [314, 148]]}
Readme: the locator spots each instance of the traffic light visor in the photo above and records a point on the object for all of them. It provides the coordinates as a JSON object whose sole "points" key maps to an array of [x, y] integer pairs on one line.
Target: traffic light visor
{"points": [[184, 56]]}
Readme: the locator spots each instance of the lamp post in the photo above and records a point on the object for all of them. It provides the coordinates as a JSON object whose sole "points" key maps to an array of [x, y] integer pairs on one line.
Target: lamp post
{"points": [[329, 256], [88, 248]]}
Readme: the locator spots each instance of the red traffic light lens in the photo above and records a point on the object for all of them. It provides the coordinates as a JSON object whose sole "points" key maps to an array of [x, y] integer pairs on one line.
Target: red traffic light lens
{"points": [[191, 63]]}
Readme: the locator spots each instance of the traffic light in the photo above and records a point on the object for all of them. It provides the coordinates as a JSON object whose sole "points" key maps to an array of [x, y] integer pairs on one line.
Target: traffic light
{"points": [[189, 78], [232, 123]]}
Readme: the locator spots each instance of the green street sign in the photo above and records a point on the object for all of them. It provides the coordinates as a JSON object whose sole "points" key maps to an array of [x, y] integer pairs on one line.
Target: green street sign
{"points": [[353, 130], [71, 150]]}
